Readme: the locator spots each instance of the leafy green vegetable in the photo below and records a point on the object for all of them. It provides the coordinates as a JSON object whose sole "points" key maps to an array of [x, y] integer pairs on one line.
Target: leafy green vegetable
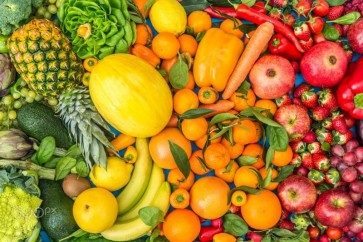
{"points": [[151, 215], [180, 157], [277, 137], [349, 18], [330, 33], [335, 2], [178, 75], [46, 150], [234, 225], [64, 167]]}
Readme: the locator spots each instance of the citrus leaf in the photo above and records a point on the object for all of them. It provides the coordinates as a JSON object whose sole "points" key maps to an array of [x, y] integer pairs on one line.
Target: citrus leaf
{"points": [[285, 172], [246, 189], [277, 138], [220, 133], [268, 178], [269, 156], [263, 119], [195, 113], [246, 160], [178, 75], [221, 117], [244, 87], [180, 157], [151, 216]]}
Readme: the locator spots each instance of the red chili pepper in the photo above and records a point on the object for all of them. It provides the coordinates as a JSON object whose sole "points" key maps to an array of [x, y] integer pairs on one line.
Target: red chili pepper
{"points": [[218, 222], [217, 12], [260, 7], [279, 45], [350, 90], [207, 232], [247, 13]]}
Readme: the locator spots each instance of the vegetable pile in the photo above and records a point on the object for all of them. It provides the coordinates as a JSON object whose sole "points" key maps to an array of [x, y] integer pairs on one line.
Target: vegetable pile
{"points": [[170, 120]]}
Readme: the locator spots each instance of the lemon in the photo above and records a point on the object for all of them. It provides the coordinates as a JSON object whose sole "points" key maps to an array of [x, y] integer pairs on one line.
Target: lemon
{"points": [[95, 210], [114, 177], [168, 16]]}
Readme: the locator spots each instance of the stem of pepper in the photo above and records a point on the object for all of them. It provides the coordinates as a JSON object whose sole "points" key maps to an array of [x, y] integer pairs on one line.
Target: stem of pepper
{"points": [[358, 101]]}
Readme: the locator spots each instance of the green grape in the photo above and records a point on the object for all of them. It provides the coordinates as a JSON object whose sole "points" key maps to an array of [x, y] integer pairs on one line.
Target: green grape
{"points": [[52, 1], [52, 9], [29, 99], [22, 83], [31, 94], [38, 98], [16, 95], [47, 15], [41, 11], [2, 115], [17, 104], [8, 100], [52, 101], [59, 3], [24, 91], [12, 115]]}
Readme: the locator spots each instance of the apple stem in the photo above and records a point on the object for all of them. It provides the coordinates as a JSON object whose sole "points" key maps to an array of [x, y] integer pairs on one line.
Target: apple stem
{"points": [[271, 73], [358, 100], [332, 59]]}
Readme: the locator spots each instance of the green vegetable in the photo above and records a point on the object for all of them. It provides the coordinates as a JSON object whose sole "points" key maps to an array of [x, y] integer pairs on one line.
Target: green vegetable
{"points": [[14, 144], [330, 33], [97, 28], [235, 225], [3, 48], [349, 18], [14, 13], [18, 205]]}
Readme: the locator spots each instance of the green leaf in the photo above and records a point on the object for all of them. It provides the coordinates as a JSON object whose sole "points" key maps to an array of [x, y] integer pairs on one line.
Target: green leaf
{"points": [[335, 2], [264, 119], [282, 232], [349, 18], [46, 149], [269, 156], [151, 216], [148, 5], [330, 33], [325, 146], [244, 88], [234, 225], [195, 113], [258, 174], [246, 160], [277, 137], [64, 167], [220, 133], [178, 75], [246, 189], [192, 5], [52, 163], [221, 117], [246, 28], [267, 238], [268, 178], [74, 151], [285, 172], [200, 36], [76, 234], [249, 3], [180, 157], [82, 168]]}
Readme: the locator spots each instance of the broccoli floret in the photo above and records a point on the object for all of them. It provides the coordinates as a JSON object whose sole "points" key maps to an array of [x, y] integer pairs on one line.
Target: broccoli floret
{"points": [[14, 13], [18, 212], [37, 3]]}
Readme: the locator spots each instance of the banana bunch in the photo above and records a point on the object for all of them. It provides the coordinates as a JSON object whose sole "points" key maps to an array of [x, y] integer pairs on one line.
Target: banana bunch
{"points": [[147, 187]]}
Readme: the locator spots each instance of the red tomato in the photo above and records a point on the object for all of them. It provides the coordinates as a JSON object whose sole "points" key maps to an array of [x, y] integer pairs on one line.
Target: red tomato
{"points": [[334, 233], [303, 7], [321, 8], [316, 25], [313, 232]]}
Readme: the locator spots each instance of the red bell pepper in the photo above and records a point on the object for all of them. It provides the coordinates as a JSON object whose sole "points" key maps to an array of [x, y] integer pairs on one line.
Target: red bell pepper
{"points": [[279, 45], [247, 13], [207, 232], [350, 90]]}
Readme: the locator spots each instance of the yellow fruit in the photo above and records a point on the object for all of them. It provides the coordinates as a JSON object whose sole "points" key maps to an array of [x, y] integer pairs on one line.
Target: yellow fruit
{"points": [[115, 177], [168, 16], [131, 95], [95, 210]]}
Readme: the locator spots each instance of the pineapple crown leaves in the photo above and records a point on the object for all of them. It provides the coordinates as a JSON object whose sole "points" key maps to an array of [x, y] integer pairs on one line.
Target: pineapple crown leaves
{"points": [[85, 124]]}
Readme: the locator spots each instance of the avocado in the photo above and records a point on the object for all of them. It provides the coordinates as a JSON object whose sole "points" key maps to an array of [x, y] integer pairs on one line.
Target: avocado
{"points": [[56, 215], [39, 121]]}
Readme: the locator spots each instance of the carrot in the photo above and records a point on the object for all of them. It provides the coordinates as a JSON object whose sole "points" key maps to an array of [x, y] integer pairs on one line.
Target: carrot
{"points": [[220, 106], [248, 58], [173, 121], [122, 141], [146, 54]]}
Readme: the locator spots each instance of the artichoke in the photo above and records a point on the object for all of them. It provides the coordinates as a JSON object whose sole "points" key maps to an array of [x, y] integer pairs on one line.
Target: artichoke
{"points": [[7, 74], [15, 144]]}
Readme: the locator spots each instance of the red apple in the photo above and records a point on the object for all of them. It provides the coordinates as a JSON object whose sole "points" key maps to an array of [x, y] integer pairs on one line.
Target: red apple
{"points": [[324, 65], [297, 194], [295, 119], [272, 76], [334, 208]]}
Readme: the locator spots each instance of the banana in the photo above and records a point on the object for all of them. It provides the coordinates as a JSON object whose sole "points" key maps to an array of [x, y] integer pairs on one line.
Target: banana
{"points": [[157, 177], [136, 228], [139, 180]]}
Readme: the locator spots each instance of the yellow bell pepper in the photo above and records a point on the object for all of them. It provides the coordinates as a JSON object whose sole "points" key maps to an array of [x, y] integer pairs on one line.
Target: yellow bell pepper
{"points": [[216, 57]]}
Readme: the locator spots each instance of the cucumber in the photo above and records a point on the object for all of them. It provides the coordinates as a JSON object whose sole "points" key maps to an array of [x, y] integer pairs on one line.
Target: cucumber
{"points": [[39, 121]]}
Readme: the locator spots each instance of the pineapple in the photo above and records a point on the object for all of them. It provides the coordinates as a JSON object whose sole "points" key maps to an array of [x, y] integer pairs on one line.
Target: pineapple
{"points": [[44, 58]]}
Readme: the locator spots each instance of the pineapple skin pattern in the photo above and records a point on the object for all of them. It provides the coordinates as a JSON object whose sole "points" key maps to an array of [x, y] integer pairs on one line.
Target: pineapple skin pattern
{"points": [[44, 58]]}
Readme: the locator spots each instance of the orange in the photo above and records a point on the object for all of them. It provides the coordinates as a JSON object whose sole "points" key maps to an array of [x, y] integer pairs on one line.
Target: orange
{"points": [[282, 158], [244, 132], [95, 210], [227, 173], [216, 156], [259, 131], [262, 211], [144, 35], [246, 177], [176, 178], [160, 149], [201, 142], [209, 197], [264, 173], [224, 237], [197, 164], [243, 101], [184, 100], [235, 150], [181, 225], [167, 64], [255, 150], [191, 83], [231, 27], [165, 45], [194, 129], [188, 44], [267, 104], [199, 21]]}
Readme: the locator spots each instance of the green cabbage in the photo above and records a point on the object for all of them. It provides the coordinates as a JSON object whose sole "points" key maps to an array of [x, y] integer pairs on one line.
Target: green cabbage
{"points": [[111, 28]]}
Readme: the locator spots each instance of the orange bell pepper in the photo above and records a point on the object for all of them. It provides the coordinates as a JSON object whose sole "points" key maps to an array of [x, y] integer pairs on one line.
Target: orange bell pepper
{"points": [[216, 57]]}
